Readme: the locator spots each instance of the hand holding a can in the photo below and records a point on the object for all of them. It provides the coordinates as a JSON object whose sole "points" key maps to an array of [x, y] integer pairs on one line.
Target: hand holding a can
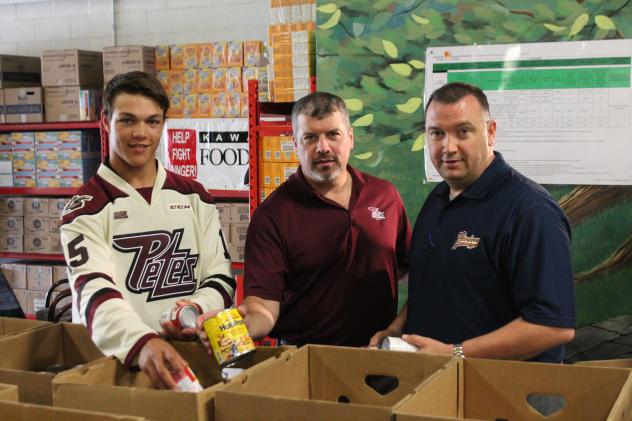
{"points": [[179, 322], [200, 326]]}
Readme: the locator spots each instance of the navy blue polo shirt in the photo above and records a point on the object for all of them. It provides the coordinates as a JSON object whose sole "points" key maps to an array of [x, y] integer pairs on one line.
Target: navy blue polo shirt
{"points": [[498, 251]]}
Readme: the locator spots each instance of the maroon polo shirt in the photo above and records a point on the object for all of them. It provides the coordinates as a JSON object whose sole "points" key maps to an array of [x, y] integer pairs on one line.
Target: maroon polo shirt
{"points": [[333, 271]]}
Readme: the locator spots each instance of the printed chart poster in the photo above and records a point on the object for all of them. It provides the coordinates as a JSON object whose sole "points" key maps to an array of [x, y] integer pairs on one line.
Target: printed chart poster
{"points": [[211, 151], [563, 109]]}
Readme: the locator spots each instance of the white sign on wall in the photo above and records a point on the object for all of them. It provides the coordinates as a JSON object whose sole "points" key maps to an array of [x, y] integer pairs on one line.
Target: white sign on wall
{"points": [[213, 151], [563, 109]]}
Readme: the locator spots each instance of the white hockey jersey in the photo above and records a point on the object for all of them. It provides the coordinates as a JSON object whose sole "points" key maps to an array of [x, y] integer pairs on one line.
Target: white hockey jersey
{"points": [[130, 260]]}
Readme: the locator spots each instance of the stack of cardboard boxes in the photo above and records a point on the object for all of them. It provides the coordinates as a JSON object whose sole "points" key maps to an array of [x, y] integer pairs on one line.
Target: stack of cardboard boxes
{"points": [[72, 81], [48, 159], [30, 224], [211, 80], [234, 218], [31, 282], [277, 161], [127, 59], [291, 33], [20, 91]]}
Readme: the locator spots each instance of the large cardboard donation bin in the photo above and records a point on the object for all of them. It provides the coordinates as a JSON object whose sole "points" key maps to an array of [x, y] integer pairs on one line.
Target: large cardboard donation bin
{"points": [[477, 389], [617, 363], [31, 359], [107, 386], [327, 383], [10, 325], [15, 411]]}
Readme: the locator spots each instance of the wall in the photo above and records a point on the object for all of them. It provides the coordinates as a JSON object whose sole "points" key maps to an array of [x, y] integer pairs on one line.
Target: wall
{"points": [[28, 27], [358, 41]]}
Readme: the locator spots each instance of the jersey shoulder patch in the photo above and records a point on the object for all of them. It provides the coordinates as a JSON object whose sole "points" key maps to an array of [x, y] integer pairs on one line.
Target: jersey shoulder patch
{"points": [[77, 202]]}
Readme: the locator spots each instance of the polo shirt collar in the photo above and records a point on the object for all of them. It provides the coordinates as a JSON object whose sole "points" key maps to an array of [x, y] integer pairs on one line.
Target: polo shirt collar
{"points": [[484, 184], [299, 185]]}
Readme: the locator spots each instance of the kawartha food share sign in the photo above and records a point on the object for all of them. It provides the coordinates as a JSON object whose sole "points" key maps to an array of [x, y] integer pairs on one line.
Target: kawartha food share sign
{"points": [[211, 151]]}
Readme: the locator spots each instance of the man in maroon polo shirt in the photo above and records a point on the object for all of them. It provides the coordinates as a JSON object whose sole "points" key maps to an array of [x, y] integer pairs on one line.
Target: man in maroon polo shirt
{"points": [[325, 251]]}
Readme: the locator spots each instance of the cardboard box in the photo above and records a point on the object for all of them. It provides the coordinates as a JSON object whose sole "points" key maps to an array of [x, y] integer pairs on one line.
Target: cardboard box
{"points": [[329, 383], [239, 213], [27, 356], [224, 213], [8, 392], [60, 272], [16, 411], [96, 385], [11, 326], [22, 296], [72, 68], [238, 233], [39, 277], [55, 225], [36, 225], [19, 71], [11, 243], [56, 206], [37, 243], [127, 59], [237, 252], [36, 300], [15, 273], [12, 225], [23, 105], [36, 206], [491, 389], [618, 363], [72, 103], [162, 57]]}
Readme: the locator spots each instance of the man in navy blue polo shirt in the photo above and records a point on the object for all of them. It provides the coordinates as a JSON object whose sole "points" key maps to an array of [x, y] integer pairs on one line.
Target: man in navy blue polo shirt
{"points": [[490, 273], [325, 251]]}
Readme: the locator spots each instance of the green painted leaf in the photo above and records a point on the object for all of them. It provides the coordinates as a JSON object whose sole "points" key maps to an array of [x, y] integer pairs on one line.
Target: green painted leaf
{"points": [[579, 24], [604, 22], [410, 106], [358, 28], [553, 28], [354, 104], [390, 140], [364, 156], [390, 48], [417, 64], [365, 120], [419, 143], [328, 8], [403, 69], [419, 19], [333, 20], [543, 11]]}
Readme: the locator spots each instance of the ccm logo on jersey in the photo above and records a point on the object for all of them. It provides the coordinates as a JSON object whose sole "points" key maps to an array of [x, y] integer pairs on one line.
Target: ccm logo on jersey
{"points": [[77, 202], [179, 206]]}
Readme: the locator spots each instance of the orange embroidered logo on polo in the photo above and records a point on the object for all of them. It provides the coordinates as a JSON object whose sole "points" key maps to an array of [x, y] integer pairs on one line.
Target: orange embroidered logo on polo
{"points": [[463, 240]]}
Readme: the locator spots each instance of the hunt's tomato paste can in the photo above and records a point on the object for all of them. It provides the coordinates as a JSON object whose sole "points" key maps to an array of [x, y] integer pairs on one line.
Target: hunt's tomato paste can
{"points": [[182, 317], [229, 337]]}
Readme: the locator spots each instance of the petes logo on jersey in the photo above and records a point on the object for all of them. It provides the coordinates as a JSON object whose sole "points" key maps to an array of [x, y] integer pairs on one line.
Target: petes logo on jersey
{"points": [[463, 240], [159, 266], [77, 202], [376, 213]]}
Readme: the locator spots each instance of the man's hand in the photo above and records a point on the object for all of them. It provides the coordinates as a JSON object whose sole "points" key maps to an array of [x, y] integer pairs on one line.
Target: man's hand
{"points": [[170, 330], [201, 333], [376, 339], [158, 359], [426, 344]]}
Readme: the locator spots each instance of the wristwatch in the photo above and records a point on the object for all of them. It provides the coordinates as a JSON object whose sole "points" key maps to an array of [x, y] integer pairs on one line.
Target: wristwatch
{"points": [[457, 350]]}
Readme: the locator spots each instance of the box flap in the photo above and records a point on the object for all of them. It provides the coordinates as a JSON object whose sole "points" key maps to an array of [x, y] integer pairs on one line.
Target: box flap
{"points": [[15, 411], [9, 325], [8, 392]]}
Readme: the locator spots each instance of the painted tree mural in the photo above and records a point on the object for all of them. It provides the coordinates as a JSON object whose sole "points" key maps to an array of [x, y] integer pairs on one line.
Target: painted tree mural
{"points": [[372, 54]]}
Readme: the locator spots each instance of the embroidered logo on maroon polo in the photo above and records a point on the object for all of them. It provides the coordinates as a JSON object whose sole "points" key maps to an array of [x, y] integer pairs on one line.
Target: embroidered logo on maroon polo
{"points": [[376, 213], [467, 241]]}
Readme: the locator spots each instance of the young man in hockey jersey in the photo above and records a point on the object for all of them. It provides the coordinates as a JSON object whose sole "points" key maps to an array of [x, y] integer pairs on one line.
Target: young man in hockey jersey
{"points": [[140, 240]]}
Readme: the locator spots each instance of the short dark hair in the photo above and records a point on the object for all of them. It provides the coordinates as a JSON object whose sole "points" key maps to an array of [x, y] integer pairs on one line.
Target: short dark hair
{"points": [[138, 83], [455, 91], [319, 105]]}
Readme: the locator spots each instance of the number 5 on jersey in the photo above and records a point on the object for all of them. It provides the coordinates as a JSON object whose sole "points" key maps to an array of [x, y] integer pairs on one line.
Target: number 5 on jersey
{"points": [[77, 255]]}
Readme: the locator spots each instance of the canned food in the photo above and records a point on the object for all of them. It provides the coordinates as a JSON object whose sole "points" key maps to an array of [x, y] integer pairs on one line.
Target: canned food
{"points": [[182, 317], [393, 343], [229, 337], [186, 380]]}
